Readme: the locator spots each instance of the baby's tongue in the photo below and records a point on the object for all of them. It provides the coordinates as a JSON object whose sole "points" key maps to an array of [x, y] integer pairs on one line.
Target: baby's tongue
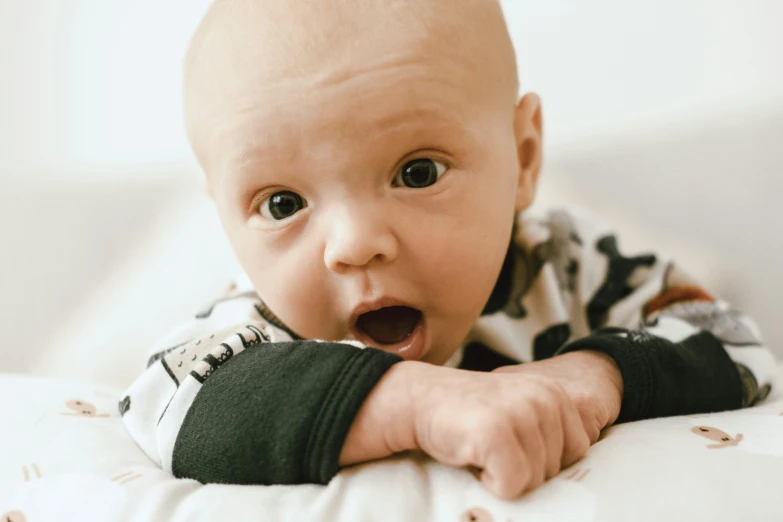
{"points": [[389, 325]]}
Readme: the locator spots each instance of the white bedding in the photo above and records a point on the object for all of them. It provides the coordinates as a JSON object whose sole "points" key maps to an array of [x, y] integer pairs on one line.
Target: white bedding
{"points": [[66, 457]]}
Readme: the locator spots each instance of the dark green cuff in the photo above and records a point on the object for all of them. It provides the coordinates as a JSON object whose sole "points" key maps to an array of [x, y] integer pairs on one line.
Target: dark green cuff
{"points": [[277, 414], [662, 378]]}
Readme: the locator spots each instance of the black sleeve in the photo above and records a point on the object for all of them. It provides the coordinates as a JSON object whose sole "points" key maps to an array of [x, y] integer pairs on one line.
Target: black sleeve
{"points": [[277, 414], [662, 378]]}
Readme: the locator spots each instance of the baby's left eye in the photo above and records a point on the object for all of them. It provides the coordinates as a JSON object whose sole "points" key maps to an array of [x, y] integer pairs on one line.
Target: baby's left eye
{"points": [[420, 173], [282, 205]]}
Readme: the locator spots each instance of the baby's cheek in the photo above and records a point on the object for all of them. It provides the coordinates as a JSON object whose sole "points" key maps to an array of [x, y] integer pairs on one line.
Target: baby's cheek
{"points": [[301, 299], [466, 265]]}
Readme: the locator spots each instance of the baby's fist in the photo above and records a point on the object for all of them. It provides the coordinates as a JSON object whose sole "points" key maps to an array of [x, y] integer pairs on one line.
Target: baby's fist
{"points": [[517, 431], [592, 381]]}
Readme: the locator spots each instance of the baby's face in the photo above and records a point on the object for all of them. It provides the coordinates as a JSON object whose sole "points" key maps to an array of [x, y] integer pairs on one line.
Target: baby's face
{"points": [[370, 196]]}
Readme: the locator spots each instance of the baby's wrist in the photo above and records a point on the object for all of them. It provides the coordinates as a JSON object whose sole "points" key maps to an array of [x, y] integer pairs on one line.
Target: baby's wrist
{"points": [[400, 393], [385, 423], [605, 365], [609, 379]]}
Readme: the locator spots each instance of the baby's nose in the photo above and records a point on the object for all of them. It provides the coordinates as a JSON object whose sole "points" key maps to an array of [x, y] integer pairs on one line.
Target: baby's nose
{"points": [[359, 237]]}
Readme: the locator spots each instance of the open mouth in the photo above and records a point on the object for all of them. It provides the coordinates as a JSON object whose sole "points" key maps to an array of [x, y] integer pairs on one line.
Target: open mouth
{"points": [[390, 325]]}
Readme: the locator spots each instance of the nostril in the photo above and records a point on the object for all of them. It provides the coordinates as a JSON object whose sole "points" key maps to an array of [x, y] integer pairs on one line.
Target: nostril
{"points": [[345, 257]]}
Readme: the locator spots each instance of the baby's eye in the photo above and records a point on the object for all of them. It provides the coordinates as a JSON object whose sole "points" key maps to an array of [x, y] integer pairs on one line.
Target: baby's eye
{"points": [[420, 173], [282, 205]]}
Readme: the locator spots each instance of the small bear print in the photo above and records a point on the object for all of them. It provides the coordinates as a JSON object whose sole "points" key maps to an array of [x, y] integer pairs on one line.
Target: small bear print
{"points": [[26, 472], [81, 408], [13, 516], [723, 439], [476, 514]]}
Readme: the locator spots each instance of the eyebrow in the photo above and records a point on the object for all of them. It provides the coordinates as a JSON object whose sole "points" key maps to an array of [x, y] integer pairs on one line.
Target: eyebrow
{"points": [[407, 114]]}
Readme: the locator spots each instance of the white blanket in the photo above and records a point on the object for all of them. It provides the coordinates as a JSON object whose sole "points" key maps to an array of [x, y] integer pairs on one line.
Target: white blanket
{"points": [[66, 457]]}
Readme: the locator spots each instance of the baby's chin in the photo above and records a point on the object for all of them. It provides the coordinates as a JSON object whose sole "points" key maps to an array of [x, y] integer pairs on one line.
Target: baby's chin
{"points": [[443, 350]]}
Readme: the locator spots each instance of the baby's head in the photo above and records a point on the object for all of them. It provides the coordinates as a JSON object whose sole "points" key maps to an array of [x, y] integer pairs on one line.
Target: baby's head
{"points": [[365, 154]]}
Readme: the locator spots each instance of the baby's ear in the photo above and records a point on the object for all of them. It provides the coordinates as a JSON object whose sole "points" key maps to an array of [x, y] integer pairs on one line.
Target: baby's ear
{"points": [[528, 132]]}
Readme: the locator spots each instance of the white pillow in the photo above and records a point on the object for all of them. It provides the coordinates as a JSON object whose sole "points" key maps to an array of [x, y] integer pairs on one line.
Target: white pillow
{"points": [[69, 461]]}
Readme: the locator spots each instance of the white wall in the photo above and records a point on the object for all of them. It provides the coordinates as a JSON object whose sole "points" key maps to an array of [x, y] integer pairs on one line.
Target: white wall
{"points": [[609, 66], [27, 105], [91, 84]]}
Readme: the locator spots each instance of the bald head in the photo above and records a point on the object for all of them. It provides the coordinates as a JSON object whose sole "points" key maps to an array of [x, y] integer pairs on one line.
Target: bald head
{"points": [[265, 47]]}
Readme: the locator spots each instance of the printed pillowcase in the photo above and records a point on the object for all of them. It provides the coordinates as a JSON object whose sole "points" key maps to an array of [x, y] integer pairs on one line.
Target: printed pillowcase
{"points": [[67, 456]]}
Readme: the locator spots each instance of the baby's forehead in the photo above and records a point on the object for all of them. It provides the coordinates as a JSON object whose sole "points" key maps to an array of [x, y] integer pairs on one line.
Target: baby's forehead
{"points": [[269, 57], [367, 131]]}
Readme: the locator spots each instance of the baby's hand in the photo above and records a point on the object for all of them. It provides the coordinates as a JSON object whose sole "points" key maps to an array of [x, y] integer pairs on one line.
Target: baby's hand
{"points": [[591, 380], [517, 431]]}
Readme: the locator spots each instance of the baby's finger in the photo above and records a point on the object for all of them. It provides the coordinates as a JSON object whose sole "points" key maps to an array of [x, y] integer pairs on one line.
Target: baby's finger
{"points": [[551, 433], [589, 423], [506, 470], [535, 450], [576, 441]]}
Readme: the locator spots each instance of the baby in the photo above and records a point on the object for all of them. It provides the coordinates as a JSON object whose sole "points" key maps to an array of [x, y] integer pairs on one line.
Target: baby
{"points": [[372, 166]]}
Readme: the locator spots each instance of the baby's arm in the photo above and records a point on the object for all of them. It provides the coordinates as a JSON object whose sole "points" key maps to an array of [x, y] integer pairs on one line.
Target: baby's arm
{"points": [[679, 349], [245, 404]]}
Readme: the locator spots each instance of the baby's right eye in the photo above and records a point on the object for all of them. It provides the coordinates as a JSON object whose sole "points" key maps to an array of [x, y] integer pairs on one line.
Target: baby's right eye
{"points": [[282, 205]]}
